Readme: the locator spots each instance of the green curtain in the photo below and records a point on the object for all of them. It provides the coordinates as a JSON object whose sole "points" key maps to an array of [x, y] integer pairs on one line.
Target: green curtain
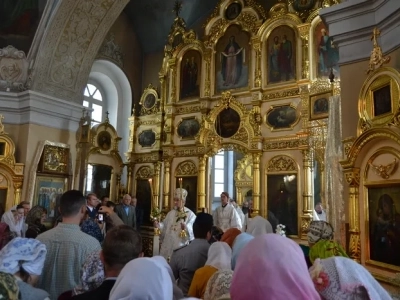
{"points": [[11, 10]]}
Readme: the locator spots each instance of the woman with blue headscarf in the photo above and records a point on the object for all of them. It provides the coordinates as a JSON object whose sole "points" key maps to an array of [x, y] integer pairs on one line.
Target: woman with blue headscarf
{"points": [[239, 243], [24, 258]]}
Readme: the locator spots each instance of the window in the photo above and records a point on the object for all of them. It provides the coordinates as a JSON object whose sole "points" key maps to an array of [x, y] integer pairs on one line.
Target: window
{"points": [[219, 174], [93, 99]]}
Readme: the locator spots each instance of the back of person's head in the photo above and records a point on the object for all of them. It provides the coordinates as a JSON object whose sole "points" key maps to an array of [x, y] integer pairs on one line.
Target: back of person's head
{"points": [[121, 244], [202, 225], [216, 234], [111, 204], [71, 203]]}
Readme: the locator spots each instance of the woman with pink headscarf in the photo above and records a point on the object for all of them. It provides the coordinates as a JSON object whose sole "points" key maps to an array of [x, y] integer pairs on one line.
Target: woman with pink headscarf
{"points": [[271, 266]]}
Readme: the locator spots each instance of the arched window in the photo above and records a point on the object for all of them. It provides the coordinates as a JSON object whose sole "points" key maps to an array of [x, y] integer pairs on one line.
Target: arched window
{"points": [[94, 100]]}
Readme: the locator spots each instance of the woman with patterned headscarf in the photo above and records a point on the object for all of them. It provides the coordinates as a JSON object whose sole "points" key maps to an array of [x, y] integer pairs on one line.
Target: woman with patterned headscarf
{"points": [[340, 278], [35, 219], [24, 258], [320, 240], [218, 286], [8, 287]]}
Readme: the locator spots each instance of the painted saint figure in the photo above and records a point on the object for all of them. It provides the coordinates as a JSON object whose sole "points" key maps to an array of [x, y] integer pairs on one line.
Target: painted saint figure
{"points": [[285, 59], [232, 59], [328, 53], [189, 78], [274, 53]]}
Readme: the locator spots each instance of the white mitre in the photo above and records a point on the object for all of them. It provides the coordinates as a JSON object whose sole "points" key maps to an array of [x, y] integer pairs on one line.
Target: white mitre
{"points": [[180, 194]]}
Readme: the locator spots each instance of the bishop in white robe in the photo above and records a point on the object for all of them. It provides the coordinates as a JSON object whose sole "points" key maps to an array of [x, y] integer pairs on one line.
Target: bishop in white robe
{"points": [[173, 224], [226, 216]]}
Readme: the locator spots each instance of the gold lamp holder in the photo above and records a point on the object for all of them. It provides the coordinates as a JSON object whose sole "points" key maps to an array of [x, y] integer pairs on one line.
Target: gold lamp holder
{"points": [[183, 233]]}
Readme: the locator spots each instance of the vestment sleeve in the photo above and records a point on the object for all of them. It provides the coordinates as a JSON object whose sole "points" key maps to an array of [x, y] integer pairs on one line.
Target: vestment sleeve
{"points": [[235, 220], [189, 225]]}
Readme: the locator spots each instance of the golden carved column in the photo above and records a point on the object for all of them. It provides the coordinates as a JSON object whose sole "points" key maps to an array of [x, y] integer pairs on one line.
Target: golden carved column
{"points": [[207, 83], [17, 192], [239, 196], [167, 178], [256, 183], [202, 184], [156, 183], [257, 70], [308, 205], [304, 30], [173, 81], [353, 179]]}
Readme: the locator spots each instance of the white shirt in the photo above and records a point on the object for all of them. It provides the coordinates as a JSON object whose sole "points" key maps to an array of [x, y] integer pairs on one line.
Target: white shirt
{"points": [[319, 217], [227, 217]]}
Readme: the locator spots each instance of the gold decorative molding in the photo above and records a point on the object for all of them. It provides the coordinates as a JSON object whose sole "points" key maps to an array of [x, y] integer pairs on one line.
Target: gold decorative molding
{"points": [[187, 109], [284, 143], [186, 168], [384, 171], [144, 172], [281, 163], [145, 157], [287, 93], [377, 59]]}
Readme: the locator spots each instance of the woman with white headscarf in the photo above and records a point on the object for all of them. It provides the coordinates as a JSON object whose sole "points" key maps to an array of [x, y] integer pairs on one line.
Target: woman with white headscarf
{"points": [[219, 258], [177, 292], [340, 278], [24, 258], [258, 226], [14, 218], [143, 279]]}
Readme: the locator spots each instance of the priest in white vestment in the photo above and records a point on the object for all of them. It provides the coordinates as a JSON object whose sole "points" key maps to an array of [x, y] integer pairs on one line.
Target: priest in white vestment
{"points": [[240, 213], [174, 223], [319, 213], [225, 216]]}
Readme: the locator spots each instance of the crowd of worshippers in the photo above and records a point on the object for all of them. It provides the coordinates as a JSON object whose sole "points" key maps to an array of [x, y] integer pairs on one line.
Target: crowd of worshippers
{"points": [[220, 256]]}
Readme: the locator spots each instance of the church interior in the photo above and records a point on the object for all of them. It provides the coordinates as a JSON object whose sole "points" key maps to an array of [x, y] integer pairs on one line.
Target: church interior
{"points": [[278, 102]]}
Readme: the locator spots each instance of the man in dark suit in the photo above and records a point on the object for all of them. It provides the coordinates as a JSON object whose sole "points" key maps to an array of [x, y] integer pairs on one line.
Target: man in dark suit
{"points": [[126, 212], [138, 212], [91, 204], [121, 244]]}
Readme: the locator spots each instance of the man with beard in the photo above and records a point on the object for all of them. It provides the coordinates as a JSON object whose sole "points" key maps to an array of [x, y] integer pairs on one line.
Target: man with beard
{"points": [[319, 214]]}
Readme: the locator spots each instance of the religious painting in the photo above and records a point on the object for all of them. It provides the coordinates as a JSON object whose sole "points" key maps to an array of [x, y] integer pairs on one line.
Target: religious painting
{"points": [[303, 5], [232, 60], [282, 201], [19, 21], [188, 128], [54, 160], [190, 184], [233, 11], [319, 106], [190, 74], [104, 140], [384, 224], [227, 122], [281, 117], [281, 48], [149, 101], [326, 52], [147, 138], [143, 195], [48, 191], [382, 101]]}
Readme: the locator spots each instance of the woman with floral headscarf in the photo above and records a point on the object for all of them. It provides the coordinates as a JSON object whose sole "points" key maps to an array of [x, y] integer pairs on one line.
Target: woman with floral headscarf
{"points": [[320, 240], [8, 287], [271, 266], [218, 286], [340, 278], [35, 219], [24, 258], [219, 258]]}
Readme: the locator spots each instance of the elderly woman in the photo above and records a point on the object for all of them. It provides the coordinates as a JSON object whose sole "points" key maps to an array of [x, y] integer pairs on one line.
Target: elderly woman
{"points": [[340, 278], [240, 242], [320, 241], [24, 258], [14, 218], [35, 220], [230, 235], [272, 267], [219, 258]]}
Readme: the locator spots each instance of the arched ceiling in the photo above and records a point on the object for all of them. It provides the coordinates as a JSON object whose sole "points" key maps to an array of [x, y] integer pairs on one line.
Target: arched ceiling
{"points": [[152, 19]]}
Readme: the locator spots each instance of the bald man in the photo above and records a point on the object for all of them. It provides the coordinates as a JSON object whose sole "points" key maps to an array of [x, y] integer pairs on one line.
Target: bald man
{"points": [[126, 212]]}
